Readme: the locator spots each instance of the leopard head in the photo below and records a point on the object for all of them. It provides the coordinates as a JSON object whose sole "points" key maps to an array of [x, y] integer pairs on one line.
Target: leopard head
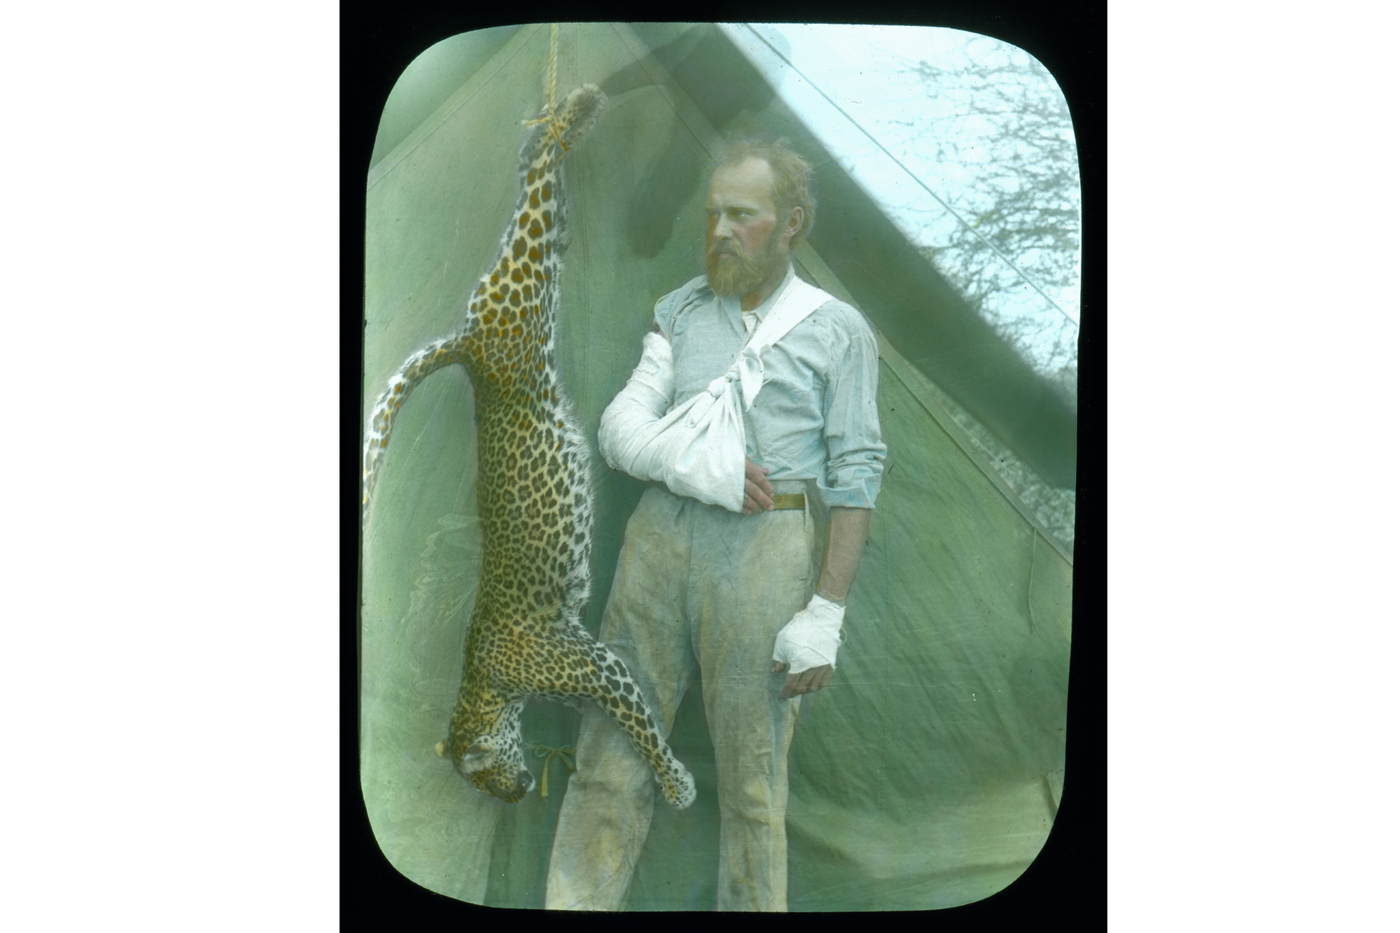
{"points": [[496, 768]]}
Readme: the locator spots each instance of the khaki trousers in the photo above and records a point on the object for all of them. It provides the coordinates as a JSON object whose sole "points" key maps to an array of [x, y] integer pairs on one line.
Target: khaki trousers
{"points": [[698, 589]]}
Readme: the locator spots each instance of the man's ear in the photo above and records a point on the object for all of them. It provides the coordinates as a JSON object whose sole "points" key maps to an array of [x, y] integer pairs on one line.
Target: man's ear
{"points": [[794, 224]]}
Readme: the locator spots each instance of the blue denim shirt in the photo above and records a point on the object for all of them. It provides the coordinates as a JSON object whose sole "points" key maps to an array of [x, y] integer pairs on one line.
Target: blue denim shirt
{"points": [[816, 418]]}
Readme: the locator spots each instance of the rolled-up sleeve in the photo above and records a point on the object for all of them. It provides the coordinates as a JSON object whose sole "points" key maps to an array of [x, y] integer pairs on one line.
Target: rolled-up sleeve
{"points": [[671, 306], [855, 451]]}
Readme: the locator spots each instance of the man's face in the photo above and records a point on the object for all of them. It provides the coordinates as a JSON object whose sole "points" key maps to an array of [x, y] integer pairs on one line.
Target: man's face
{"points": [[745, 244]]}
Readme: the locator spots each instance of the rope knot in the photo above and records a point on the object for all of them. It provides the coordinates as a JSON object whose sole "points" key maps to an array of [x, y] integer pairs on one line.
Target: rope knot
{"points": [[549, 753], [721, 383]]}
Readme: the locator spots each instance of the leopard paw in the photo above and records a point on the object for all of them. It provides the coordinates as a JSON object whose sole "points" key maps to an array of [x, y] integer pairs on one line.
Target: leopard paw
{"points": [[679, 788]]}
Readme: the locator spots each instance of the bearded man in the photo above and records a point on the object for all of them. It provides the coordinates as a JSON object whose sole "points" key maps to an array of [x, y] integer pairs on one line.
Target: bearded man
{"points": [[752, 600]]}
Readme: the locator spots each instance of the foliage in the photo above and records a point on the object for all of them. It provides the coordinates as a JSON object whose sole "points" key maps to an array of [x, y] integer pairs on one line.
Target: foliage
{"points": [[1000, 136]]}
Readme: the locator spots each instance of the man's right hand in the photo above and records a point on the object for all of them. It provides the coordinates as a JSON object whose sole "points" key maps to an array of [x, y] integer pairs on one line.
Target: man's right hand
{"points": [[758, 492]]}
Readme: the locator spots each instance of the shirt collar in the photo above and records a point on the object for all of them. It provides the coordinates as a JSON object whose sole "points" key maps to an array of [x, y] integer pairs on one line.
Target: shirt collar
{"points": [[767, 305]]}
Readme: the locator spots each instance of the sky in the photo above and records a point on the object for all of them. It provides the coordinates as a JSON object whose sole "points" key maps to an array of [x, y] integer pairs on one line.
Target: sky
{"points": [[833, 75]]}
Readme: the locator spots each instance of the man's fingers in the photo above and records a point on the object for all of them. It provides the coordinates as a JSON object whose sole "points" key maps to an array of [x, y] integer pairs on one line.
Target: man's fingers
{"points": [[808, 681], [758, 476], [794, 686], [756, 496], [758, 491], [755, 499]]}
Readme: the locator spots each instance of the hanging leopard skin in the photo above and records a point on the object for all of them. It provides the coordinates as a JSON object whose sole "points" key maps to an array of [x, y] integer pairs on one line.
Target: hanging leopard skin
{"points": [[534, 498]]}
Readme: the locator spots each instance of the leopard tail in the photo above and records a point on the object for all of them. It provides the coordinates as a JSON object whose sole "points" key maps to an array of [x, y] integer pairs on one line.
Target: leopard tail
{"points": [[415, 369]]}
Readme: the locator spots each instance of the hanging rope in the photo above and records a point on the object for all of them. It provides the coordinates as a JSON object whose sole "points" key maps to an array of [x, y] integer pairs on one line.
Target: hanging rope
{"points": [[553, 62], [550, 88]]}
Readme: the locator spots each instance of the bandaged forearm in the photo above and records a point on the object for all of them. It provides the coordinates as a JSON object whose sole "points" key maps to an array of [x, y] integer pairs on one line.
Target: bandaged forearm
{"points": [[640, 405], [811, 638], [641, 402], [639, 436]]}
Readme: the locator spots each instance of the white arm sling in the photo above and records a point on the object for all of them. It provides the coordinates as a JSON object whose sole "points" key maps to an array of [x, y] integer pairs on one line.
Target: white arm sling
{"points": [[697, 449]]}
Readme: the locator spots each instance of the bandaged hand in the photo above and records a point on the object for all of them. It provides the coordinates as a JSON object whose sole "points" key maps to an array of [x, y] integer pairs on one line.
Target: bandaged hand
{"points": [[811, 638]]}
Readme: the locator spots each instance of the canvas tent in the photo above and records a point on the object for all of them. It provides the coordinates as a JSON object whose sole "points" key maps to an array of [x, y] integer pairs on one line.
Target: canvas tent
{"points": [[930, 772]]}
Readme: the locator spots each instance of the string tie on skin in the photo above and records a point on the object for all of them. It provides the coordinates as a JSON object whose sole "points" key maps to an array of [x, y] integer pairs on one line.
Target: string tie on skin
{"points": [[548, 753]]}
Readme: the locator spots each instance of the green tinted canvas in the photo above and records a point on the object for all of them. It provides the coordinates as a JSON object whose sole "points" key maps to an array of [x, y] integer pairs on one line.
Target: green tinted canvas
{"points": [[929, 773]]}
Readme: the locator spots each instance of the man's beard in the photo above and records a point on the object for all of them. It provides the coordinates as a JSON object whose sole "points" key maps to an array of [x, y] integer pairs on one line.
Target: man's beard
{"points": [[741, 274]]}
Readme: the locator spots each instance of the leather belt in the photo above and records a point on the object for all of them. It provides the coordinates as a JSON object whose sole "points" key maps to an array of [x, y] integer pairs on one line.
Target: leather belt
{"points": [[788, 501]]}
